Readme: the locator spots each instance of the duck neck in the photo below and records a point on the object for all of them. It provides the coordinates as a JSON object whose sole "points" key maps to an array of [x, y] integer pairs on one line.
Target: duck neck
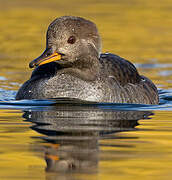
{"points": [[86, 69]]}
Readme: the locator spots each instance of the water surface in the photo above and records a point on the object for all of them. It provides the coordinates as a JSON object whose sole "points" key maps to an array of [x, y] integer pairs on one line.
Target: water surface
{"points": [[64, 139]]}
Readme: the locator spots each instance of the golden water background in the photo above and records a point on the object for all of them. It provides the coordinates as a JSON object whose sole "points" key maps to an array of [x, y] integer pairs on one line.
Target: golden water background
{"points": [[138, 30]]}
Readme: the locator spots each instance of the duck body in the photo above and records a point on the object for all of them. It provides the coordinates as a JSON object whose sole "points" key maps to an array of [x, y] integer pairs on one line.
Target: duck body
{"points": [[117, 82], [73, 66]]}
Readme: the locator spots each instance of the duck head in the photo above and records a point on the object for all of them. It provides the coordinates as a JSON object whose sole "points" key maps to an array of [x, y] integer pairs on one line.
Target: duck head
{"points": [[69, 41]]}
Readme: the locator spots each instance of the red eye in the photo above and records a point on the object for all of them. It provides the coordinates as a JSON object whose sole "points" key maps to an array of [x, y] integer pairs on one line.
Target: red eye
{"points": [[71, 40]]}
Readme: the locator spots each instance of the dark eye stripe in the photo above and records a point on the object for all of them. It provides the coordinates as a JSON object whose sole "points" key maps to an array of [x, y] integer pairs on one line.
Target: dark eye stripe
{"points": [[71, 40]]}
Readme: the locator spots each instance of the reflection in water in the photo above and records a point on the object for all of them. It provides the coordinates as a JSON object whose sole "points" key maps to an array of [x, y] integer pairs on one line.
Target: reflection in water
{"points": [[73, 134]]}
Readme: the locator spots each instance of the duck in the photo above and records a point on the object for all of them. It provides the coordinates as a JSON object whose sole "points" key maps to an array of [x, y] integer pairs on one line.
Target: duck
{"points": [[73, 66]]}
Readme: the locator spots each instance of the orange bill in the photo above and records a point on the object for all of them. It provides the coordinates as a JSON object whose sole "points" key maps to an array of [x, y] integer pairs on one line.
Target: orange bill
{"points": [[54, 57], [44, 59], [52, 157]]}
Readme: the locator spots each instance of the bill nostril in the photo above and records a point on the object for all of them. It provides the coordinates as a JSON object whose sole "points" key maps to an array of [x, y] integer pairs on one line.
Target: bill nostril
{"points": [[48, 54]]}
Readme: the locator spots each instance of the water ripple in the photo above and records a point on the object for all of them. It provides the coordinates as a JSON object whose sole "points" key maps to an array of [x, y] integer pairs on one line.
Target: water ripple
{"points": [[7, 101]]}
